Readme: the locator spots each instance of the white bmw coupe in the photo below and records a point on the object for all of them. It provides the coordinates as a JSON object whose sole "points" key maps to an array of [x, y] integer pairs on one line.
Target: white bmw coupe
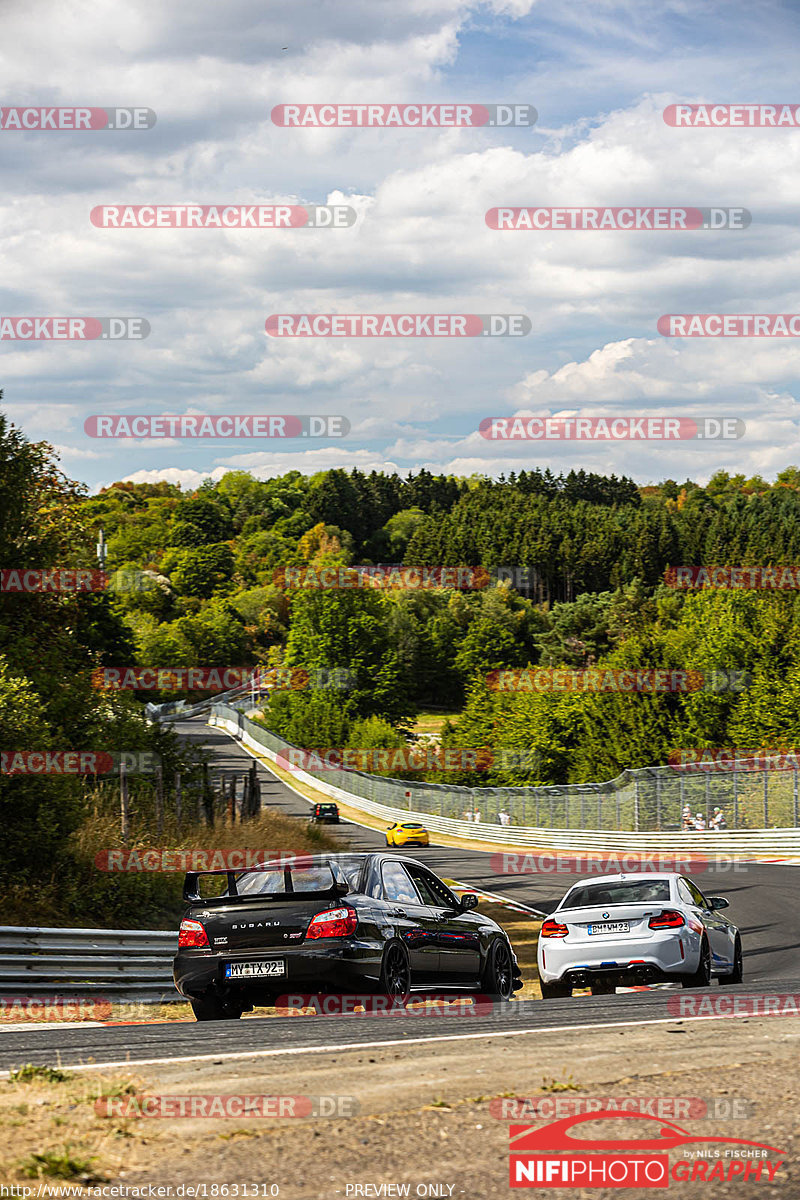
{"points": [[620, 930]]}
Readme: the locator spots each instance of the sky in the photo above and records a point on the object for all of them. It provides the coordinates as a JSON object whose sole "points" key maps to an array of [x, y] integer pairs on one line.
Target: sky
{"points": [[599, 75]]}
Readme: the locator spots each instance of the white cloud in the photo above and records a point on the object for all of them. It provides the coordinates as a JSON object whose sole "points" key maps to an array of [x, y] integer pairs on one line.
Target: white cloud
{"points": [[421, 244]]}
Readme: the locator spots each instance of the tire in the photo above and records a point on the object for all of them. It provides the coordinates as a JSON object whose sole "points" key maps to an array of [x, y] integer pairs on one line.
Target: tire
{"points": [[396, 972], [554, 991], [702, 976], [388, 843], [737, 974], [213, 1008], [497, 980]]}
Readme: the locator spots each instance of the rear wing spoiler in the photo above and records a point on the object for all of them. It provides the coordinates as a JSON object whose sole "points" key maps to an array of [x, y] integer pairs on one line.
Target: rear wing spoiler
{"points": [[191, 890]]}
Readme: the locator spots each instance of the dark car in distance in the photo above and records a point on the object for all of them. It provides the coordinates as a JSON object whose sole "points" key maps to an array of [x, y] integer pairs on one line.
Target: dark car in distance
{"points": [[337, 923], [324, 814]]}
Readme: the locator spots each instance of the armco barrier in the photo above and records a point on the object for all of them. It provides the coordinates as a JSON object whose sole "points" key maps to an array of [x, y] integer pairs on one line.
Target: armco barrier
{"points": [[116, 964], [368, 794]]}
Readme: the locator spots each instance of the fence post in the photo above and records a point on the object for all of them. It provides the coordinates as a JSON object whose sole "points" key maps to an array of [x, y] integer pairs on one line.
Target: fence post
{"points": [[708, 799], [619, 814], [766, 798], [178, 800], [207, 797], [255, 791], [232, 799], [794, 794], [735, 798], [123, 804], [159, 799], [636, 804], [658, 800]]}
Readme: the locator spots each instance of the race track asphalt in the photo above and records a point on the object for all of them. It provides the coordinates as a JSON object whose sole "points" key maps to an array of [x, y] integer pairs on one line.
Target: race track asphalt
{"points": [[764, 904]]}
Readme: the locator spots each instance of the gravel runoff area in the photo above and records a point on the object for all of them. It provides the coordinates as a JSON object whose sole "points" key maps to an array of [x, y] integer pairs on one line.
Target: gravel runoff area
{"points": [[416, 1115]]}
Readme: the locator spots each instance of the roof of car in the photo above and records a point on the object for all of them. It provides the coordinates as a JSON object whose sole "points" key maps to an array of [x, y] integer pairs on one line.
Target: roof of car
{"points": [[629, 875]]}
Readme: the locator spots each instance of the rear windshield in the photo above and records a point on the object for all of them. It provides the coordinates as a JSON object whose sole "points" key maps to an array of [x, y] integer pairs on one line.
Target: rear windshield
{"points": [[311, 878], [626, 891], [326, 808], [283, 880], [413, 827]]}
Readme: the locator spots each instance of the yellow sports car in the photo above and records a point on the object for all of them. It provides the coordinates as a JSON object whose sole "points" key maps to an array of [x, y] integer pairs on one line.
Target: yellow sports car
{"points": [[407, 833]]}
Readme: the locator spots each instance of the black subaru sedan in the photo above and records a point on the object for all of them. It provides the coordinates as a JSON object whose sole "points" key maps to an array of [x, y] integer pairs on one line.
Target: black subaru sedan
{"points": [[344, 923]]}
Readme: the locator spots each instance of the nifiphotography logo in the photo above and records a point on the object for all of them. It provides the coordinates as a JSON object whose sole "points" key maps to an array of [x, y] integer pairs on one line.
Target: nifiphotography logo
{"points": [[538, 1158]]}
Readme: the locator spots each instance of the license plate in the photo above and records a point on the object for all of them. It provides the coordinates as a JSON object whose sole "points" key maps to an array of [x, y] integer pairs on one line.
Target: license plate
{"points": [[610, 927], [251, 970]]}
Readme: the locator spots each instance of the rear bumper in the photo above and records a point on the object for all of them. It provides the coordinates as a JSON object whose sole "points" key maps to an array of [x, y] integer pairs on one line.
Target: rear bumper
{"points": [[647, 961], [580, 977], [348, 965]]}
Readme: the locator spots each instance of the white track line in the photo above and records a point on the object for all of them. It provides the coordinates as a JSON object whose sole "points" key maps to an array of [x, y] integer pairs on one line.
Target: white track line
{"points": [[15, 1026], [338, 1048]]}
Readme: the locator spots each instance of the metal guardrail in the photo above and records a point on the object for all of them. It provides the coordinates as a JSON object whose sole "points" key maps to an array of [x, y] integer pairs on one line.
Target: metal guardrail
{"points": [[635, 817], [112, 964]]}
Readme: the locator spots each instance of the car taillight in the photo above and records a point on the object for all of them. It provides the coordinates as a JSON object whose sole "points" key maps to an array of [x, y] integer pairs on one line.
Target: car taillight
{"points": [[192, 936], [553, 929], [334, 922], [669, 919]]}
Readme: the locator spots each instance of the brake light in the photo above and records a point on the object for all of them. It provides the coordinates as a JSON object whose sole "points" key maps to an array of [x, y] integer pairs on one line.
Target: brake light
{"points": [[192, 936], [668, 919], [553, 929], [334, 922]]}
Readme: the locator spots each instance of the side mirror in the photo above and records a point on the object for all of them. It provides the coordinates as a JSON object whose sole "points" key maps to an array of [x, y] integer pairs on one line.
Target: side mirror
{"points": [[717, 902], [468, 900]]}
